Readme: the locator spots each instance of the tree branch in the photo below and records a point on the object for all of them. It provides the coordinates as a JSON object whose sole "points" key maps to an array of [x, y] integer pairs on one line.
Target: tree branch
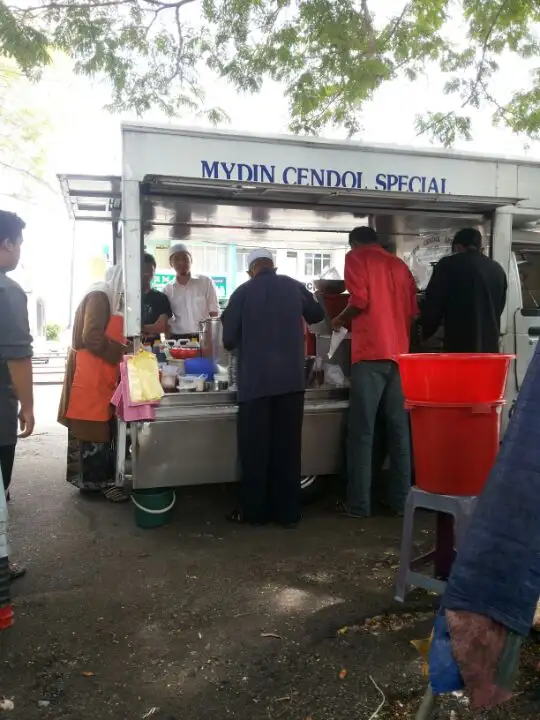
{"points": [[397, 22], [482, 64], [480, 70], [99, 4], [30, 175]]}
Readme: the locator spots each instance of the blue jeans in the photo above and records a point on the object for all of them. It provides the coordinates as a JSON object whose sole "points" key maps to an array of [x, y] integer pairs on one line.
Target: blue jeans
{"points": [[374, 385]]}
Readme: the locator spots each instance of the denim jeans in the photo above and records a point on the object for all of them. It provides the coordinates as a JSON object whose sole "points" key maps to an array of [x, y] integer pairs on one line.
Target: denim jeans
{"points": [[374, 385]]}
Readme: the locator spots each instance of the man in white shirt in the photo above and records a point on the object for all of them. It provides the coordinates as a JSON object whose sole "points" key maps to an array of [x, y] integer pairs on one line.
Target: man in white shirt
{"points": [[192, 297]]}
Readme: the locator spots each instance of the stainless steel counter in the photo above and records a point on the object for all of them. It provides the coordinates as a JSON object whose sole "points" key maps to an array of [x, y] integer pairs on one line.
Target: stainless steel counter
{"points": [[193, 439]]}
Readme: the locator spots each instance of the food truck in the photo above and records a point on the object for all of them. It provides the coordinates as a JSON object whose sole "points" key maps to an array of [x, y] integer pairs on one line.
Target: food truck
{"points": [[299, 197]]}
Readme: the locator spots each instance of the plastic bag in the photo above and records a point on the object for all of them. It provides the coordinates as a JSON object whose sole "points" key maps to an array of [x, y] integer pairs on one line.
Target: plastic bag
{"points": [[335, 341], [330, 273], [333, 375], [143, 378]]}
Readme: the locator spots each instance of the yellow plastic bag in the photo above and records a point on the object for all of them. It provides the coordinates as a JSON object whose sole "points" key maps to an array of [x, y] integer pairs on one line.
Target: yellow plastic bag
{"points": [[143, 378]]}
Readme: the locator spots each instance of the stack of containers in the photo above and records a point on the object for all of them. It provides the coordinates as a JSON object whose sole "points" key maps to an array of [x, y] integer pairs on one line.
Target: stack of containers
{"points": [[455, 402]]}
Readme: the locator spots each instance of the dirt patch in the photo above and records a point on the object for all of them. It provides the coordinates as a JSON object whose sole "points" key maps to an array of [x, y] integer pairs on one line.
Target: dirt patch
{"points": [[203, 620]]}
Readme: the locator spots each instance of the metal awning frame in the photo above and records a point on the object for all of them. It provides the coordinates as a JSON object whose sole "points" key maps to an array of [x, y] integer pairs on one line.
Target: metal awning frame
{"points": [[71, 195], [381, 202]]}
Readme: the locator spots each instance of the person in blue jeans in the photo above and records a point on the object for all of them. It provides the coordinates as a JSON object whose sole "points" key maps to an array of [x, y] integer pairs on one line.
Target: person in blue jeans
{"points": [[381, 309]]}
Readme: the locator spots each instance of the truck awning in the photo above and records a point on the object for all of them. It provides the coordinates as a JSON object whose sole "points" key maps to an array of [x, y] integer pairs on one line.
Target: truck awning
{"points": [[302, 196], [92, 197]]}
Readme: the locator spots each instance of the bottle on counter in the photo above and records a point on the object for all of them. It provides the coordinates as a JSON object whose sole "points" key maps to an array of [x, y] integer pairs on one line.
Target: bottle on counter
{"points": [[318, 373], [158, 349]]}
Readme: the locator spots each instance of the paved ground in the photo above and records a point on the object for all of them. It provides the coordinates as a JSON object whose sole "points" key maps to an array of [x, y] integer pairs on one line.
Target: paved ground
{"points": [[201, 620], [51, 372]]}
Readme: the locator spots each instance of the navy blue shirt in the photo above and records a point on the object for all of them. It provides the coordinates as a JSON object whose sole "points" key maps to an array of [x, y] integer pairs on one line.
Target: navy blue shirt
{"points": [[263, 323]]}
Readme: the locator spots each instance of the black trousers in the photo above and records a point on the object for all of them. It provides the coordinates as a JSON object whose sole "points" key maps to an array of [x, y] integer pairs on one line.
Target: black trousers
{"points": [[270, 455], [7, 458]]}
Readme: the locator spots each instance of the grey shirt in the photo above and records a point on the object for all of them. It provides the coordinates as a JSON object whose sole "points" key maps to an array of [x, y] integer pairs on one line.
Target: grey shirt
{"points": [[15, 344]]}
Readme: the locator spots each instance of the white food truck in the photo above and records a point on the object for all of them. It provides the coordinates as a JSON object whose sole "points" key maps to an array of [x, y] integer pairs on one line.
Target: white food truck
{"points": [[227, 192]]}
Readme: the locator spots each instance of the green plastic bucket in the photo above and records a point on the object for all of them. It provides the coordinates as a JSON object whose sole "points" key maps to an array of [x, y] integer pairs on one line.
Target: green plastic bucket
{"points": [[153, 508]]}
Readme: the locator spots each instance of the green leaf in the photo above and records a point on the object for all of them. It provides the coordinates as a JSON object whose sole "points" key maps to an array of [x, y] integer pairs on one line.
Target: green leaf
{"points": [[330, 55]]}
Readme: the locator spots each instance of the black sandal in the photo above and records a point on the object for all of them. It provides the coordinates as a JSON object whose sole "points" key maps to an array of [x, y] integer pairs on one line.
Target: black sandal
{"points": [[344, 511]]}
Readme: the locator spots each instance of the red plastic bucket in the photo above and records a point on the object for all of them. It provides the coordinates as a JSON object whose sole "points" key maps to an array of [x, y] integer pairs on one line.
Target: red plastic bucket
{"points": [[454, 377], [455, 446]]}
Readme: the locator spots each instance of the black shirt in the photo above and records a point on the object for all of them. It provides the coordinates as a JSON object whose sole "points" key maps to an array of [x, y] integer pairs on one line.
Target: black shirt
{"points": [[263, 322], [15, 344], [155, 304], [467, 292]]}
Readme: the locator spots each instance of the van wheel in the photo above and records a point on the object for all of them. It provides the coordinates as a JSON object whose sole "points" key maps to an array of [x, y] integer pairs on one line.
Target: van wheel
{"points": [[312, 487]]}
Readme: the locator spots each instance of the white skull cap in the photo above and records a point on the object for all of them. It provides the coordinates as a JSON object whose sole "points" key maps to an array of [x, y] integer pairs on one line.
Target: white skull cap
{"points": [[178, 248], [259, 254]]}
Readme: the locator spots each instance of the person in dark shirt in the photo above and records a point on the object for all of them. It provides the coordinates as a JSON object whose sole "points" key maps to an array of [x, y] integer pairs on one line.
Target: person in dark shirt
{"points": [[156, 305], [466, 293], [263, 324], [16, 390]]}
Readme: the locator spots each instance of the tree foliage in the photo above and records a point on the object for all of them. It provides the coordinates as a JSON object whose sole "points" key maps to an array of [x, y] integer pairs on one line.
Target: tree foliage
{"points": [[330, 55], [22, 131]]}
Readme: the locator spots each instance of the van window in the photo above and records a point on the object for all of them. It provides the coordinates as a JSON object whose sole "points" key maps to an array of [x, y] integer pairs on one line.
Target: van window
{"points": [[528, 262]]}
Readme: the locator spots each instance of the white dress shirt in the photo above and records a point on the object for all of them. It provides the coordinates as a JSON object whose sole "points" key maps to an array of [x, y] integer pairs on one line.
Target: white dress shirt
{"points": [[191, 303]]}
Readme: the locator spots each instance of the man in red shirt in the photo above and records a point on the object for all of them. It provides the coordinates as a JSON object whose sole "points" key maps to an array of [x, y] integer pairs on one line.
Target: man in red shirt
{"points": [[381, 308]]}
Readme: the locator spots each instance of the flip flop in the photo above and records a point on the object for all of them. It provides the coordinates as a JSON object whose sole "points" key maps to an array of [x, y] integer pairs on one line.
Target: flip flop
{"points": [[16, 571], [344, 511], [116, 495]]}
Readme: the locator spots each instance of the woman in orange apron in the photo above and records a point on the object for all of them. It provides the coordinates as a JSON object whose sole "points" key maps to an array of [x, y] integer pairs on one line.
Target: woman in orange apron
{"points": [[92, 371]]}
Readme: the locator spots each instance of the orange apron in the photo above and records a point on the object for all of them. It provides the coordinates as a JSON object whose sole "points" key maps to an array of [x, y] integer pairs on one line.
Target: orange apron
{"points": [[95, 380]]}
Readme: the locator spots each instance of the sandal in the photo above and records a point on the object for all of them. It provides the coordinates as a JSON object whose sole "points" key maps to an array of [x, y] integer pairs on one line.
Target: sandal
{"points": [[344, 511], [16, 571], [116, 495]]}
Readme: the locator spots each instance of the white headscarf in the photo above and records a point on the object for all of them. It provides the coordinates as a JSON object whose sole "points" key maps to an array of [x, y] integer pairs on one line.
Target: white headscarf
{"points": [[113, 287]]}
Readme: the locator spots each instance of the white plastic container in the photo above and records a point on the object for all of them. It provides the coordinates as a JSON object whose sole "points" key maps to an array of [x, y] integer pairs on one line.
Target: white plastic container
{"points": [[191, 383]]}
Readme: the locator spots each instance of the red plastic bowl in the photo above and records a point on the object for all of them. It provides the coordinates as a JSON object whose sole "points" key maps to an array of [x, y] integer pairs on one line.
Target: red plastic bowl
{"points": [[184, 353], [454, 377]]}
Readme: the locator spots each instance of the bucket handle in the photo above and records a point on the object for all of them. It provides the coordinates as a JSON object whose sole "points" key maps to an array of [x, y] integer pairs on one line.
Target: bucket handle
{"points": [[154, 512]]}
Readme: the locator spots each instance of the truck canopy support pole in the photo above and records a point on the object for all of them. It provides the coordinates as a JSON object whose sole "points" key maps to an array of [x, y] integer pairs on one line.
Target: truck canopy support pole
{"points": [[131, 257], [501, 243]]}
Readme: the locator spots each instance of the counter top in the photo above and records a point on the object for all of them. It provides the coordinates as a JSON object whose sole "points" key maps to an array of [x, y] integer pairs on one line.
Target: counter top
{"points": [[227, 397]]}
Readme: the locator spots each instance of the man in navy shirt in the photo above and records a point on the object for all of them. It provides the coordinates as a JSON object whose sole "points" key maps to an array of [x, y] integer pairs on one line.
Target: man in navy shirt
{"points": [[263, 324]]}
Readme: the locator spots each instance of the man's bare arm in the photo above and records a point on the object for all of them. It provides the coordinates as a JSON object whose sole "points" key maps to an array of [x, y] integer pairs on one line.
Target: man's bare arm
{"points": [[21, 378], [350, 312]]}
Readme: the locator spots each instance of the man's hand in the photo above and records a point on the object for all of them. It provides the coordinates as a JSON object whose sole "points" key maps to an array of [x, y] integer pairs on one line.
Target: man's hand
{"points": [[350, 312], [26, 422]]}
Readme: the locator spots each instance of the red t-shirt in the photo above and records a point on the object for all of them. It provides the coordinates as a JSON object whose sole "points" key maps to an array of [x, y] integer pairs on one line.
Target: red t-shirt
{"points": [[382, 287]]}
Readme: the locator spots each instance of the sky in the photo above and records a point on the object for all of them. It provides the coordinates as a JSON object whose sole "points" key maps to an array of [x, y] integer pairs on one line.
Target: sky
{"points": [[84, 138]]}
